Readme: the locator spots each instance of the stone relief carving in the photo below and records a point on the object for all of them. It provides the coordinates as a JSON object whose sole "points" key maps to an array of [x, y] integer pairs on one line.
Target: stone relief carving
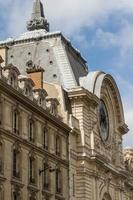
{"points": [[128, 159]]}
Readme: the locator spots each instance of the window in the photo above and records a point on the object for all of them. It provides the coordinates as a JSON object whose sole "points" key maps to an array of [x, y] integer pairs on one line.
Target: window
{"points": [[27, 91], [46, 176], [32, 196], [1, 157], [45, 138], [1, 192], [32, 170], [58, 180], [12, 80], [16, 194], [31, 130], [16, 163], [46, 197], [40, 101], [58, 145], [15, 122], [73, 185]]}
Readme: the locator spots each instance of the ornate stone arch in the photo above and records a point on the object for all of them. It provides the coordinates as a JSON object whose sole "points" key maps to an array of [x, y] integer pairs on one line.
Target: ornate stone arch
{"points": [[110, 86], [104, 87]]}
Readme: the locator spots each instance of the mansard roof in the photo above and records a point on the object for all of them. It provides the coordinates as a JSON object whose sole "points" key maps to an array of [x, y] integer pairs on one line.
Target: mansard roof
{"points": [[67, 69], [39, 35]]}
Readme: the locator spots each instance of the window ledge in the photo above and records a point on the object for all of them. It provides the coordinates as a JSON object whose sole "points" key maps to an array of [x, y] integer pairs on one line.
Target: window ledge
{"points": [[47, 192], [33, 187], [17, 181], [59, 196], [2, 178]]}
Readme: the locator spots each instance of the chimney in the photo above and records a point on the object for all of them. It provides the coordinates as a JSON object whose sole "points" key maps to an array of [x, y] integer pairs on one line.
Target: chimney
{"points": [[36, 74]]}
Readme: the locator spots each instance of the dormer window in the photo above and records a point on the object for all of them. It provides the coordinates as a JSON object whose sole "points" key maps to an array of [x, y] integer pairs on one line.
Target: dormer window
{"points": [[12, 80], [40, 101], [27, 91], [52, 104]]}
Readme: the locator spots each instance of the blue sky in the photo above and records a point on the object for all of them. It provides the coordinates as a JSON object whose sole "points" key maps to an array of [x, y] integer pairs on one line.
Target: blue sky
{"points": [[102, 30]]}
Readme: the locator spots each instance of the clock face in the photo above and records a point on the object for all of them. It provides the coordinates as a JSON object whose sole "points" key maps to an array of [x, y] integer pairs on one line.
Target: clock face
{"points": [[103, 121]]}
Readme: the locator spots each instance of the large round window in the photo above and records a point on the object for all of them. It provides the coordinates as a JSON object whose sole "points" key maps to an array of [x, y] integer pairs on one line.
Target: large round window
{"points": [[103, 121]]}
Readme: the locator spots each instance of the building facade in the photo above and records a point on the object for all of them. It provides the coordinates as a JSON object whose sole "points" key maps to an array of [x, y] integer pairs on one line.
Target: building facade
{"points": [[33, 141], [86, 106]]}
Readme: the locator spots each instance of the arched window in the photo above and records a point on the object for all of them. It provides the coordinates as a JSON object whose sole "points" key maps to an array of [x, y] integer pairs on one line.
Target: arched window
{"points": [[12, 80], [58, 145], [28, 91], [32, 170], [16, 162], [58, 180]]}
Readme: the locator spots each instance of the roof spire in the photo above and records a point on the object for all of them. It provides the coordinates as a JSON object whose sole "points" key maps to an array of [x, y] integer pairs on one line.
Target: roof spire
{"points": [[37, 20]]}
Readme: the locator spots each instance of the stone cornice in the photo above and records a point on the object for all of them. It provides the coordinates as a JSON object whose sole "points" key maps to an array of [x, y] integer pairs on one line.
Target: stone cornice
{"points": [[81, 93], [104, 165], [123, 128]]}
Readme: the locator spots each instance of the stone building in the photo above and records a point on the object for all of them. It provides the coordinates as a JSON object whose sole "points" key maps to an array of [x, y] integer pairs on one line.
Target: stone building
{"points": [[88, 102], [33, 141]]}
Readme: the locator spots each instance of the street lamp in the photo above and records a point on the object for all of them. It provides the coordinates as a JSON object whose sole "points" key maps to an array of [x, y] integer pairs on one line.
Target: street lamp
{"points": [[47, 167]]}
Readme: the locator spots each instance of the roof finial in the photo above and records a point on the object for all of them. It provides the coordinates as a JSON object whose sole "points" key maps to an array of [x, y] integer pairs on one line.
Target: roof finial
{"points": [[38, 20]]}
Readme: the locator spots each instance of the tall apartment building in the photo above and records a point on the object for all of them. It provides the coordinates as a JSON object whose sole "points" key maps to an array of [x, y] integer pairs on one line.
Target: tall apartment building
{"points": [[88, 119], [33, 140]]}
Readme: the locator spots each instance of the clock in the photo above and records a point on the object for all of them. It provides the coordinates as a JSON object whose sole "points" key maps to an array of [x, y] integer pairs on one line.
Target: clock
{"points": [[103, 121]]}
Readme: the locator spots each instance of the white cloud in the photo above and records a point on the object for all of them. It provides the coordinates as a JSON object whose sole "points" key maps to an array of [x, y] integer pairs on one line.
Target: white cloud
{"points": [[122, 39], [69, 16]]}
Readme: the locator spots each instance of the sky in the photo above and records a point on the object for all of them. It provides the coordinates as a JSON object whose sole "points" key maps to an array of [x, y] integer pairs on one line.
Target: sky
{"points": [[102, 30]]}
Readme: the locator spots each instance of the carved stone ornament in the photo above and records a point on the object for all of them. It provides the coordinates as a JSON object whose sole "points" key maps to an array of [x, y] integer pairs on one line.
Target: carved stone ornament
{"points": [[1, 60], [128, 158], [38, 24]]}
